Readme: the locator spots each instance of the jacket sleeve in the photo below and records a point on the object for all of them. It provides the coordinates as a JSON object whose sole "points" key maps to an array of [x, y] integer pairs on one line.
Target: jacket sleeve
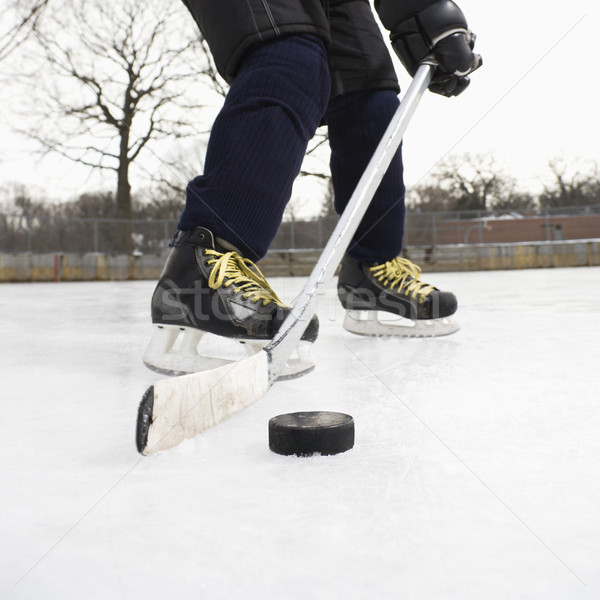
{"points": [[393, 12]]}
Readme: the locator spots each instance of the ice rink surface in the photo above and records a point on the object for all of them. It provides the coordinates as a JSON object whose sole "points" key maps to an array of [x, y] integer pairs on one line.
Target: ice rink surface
{"points": [[475, 474]]}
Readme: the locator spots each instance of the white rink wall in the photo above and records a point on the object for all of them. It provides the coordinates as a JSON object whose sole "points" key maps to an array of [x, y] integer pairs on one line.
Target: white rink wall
{"points": [[27, 266]]}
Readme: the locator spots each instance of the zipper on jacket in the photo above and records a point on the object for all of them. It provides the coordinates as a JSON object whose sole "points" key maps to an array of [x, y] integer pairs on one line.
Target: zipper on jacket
{"points": [[271, 19]]}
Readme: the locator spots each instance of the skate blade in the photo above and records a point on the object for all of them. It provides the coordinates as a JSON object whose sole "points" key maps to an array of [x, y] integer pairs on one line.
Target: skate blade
{"points": [[176, 351], [379, 323]]}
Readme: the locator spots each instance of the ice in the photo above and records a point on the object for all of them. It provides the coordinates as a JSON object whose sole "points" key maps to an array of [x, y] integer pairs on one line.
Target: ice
{"points": [[474, 475]]}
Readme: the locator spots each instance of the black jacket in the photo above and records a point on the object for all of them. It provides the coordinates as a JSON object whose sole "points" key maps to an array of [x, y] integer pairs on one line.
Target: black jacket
{"points": [[231, 26]]}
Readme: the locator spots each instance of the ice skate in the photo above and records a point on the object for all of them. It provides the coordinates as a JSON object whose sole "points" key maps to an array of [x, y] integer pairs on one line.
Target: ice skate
{"points": [[212, 307], [389, 299]]}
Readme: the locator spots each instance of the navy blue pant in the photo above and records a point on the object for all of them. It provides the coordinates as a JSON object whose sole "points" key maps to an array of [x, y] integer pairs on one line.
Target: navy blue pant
{"points": [[279, 97]]}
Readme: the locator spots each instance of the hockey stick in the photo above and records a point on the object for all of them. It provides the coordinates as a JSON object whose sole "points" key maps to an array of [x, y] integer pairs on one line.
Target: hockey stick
{"points": [[180, 407]]}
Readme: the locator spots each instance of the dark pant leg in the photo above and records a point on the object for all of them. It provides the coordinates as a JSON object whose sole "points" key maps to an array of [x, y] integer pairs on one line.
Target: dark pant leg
{"points": [[356, 124], [258, 142], [364, 101]]}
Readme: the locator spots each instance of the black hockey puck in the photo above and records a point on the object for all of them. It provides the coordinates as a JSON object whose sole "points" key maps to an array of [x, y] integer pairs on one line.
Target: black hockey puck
{"points": [[307, 433]]}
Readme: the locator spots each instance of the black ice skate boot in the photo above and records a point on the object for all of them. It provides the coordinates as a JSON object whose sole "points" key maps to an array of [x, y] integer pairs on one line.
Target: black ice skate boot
{"points": [[390, 299], [207, 287]]}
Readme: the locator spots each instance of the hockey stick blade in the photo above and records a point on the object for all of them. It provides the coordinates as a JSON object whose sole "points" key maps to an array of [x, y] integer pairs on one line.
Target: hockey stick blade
{"points": [[181, 407]]}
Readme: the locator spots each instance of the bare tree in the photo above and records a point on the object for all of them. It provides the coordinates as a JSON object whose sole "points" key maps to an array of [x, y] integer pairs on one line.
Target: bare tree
{"points": [[104, 83], [124, 76], [317, 156], [428, 196], [181, 164], [573, 183], [20, 19], [472, 182], [469, 183], [328, 206]]}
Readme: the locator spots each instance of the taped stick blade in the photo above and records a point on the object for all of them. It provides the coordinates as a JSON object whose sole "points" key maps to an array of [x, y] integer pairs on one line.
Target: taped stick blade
{"points": [[182, 407]]}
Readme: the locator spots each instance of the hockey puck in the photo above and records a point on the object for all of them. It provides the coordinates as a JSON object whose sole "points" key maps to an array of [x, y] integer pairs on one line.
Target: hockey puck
{"points": [[307, 433]]}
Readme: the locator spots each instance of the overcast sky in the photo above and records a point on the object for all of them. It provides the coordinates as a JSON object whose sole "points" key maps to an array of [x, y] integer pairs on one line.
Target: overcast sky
{"points": [[535, 98]]}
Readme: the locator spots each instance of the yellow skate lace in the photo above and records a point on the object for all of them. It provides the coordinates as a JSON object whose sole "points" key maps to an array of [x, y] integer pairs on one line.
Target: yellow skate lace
{"points": [[403, 274], [232, 269]]}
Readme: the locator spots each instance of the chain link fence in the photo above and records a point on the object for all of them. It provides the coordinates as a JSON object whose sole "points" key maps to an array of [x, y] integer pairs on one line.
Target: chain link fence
{"points": [[18, 234], [37, 235]]}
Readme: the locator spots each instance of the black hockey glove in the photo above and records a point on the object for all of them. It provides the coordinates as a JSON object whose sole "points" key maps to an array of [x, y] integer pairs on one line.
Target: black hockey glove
{"points": [[438, 33]]}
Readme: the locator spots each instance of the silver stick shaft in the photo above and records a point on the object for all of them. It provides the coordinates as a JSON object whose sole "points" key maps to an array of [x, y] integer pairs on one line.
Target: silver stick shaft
{"points": [[289, 334]]}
